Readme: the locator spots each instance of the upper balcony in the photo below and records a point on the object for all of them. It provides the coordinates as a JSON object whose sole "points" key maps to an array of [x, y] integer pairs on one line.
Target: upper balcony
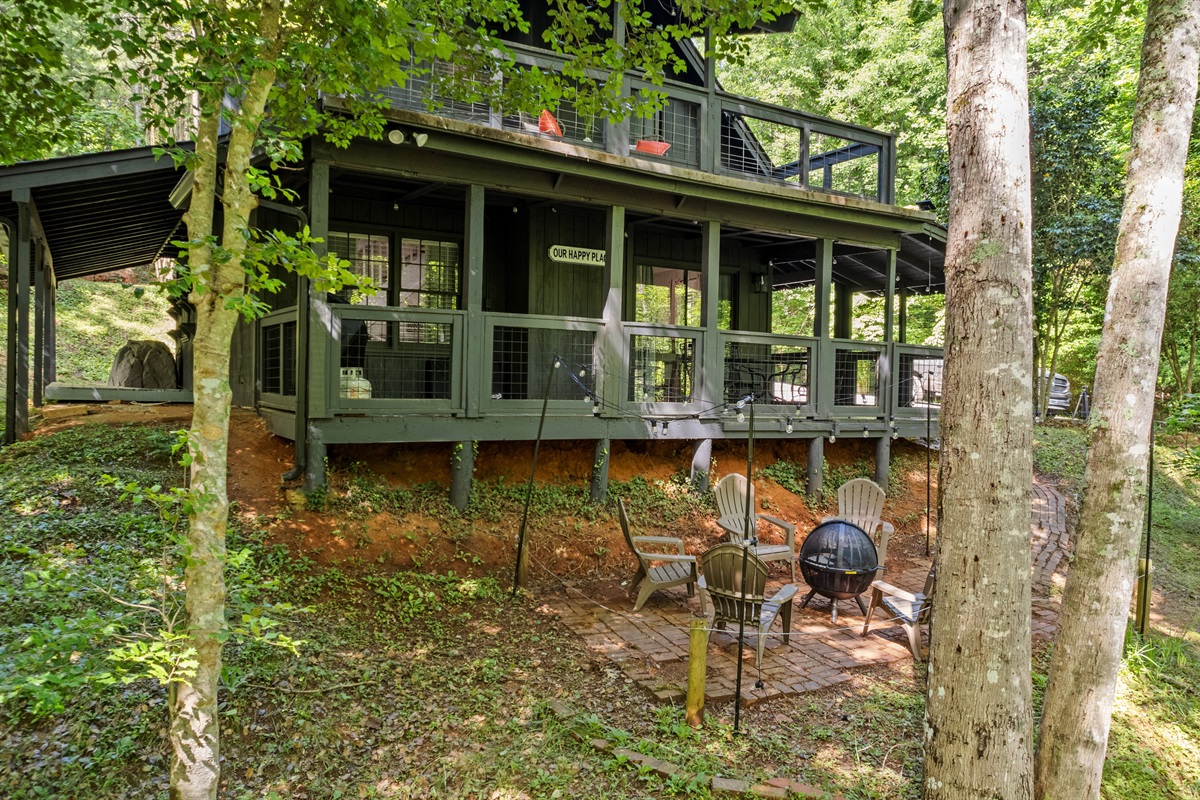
{"points": [[699, 126]]}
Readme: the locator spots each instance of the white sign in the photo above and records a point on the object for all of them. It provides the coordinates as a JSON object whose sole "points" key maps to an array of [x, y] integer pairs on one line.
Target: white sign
{"points": [[563, 254]]}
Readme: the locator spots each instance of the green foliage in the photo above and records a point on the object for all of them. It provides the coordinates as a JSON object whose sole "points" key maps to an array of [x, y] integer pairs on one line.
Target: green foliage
{"points": [[1060, 452], [92, 565], [94, 320]]}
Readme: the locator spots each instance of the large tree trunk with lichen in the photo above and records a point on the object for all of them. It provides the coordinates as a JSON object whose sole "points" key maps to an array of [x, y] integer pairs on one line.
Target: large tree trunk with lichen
{"points": [[978, 713], [1087, 652], [195, 737]]}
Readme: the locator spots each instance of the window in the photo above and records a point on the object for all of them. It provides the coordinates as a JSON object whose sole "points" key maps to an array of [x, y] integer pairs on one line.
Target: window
{"points": [[668, 296], [429, 274], [369, 256]]}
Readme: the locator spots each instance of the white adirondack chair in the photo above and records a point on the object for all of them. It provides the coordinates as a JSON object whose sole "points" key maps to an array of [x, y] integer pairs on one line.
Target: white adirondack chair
{"points": [[731, 504], [860, 502]]}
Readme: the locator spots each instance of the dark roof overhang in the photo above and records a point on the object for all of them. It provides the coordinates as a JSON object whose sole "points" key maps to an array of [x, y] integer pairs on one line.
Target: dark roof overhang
{"points": [[99, 212]]}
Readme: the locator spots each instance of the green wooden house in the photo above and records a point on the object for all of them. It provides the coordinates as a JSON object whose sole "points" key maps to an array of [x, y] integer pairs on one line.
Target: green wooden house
{"points": [[672, 266]]}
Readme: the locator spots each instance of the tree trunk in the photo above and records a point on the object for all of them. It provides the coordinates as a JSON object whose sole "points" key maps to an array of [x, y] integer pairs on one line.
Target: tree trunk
{"points": [[195, 740], [978, 718], [1087, 653], [195, 769]]}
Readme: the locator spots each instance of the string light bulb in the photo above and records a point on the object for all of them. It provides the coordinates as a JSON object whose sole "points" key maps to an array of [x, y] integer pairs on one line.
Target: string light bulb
{"points": [[788, 428], [741, 417], [864, 431]]}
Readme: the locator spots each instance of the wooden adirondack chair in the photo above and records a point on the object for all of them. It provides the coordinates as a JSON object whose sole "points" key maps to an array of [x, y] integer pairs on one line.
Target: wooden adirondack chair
{"points": [[860, 501], [722, 582], [731, 504], [676, 569], [910, 609]]}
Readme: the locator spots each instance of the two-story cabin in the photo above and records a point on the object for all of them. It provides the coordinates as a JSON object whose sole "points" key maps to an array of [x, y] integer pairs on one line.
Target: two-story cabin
{"points": [[670, 266]]}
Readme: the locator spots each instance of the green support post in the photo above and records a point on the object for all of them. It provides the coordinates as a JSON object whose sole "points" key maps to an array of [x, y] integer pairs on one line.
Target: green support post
{"points": [[816, 466], [462, 470], [712, 384], [883, 456], [472, 380], [613, 356], [823, 374], [600, 461]]}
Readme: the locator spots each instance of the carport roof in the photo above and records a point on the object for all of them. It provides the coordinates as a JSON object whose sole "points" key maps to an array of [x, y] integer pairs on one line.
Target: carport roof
{"points": [[99, 212]]}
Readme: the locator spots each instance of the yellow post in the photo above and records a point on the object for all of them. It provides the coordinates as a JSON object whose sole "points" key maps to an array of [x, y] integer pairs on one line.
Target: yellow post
{"points": [[697, 667], [1141, 614]]}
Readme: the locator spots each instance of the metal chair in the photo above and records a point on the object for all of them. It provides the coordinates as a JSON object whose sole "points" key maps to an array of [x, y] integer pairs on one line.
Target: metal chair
{"points": [[676, 569], [731, 504], [723, 582]]}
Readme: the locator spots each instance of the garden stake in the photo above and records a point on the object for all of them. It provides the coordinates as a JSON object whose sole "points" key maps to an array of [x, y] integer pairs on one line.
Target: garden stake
{"points": [[537, 444]]}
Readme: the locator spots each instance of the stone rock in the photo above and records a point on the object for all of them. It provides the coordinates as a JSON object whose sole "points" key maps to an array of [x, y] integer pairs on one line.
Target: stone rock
{"points": [[143, 364]]}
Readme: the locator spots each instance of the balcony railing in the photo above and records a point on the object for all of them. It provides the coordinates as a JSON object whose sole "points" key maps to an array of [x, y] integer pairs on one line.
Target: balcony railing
{"points": [[712, 131]]}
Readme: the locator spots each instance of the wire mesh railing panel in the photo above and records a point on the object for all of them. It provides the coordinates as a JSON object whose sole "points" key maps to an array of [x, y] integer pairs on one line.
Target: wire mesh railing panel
{"points": [[522, 359], [919, 380], [397, 360], [563, 123], [856, 377], [277, 373], [438, 87], [774, 373], [843, 165], [662, 369], [672, 133], [761, 148]]}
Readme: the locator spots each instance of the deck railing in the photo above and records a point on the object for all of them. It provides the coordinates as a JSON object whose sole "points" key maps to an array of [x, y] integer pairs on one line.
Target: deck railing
{"points": [[775, 368], [663, 364], [713, 131], [918, 381], [277, 359], [410, 359], [523, 350], [391, 360]]}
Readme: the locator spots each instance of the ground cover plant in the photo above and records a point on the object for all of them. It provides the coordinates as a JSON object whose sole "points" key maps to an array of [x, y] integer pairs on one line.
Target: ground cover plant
{"points": [[434, 682]]}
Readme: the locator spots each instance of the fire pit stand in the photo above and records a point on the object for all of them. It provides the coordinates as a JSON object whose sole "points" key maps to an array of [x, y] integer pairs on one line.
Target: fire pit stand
{"points": [[838, 561]]}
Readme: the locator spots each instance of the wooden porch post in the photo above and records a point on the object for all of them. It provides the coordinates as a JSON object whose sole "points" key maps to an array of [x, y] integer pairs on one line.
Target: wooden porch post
{"points": [[462, 469], [613, 358], [712, 385], [17, 409], [902, 334], [823, 374], [816, 466], [51, 342], [887, 392], [315, 340], [473, 296], [39, 326], [600, 461]]}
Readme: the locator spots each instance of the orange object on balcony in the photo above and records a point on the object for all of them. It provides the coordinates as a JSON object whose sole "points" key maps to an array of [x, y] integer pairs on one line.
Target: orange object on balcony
{"points": [[548, 124], [652, 146]]}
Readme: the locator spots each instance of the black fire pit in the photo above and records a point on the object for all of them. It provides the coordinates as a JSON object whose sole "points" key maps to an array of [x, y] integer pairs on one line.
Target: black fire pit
{"points": [[838, 560]]}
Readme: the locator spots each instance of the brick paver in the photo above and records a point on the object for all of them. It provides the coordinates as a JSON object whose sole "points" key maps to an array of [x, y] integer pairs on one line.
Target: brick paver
{"points": [[651, 645]]}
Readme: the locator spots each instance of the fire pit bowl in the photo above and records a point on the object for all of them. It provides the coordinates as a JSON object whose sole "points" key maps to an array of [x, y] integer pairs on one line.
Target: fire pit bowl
{"points": [[838, 561]]}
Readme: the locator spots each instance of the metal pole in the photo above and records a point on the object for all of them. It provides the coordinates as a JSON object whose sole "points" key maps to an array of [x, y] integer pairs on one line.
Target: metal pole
{"points": [[1143, 604], [537, 445], [928, 466], [748, 537]]}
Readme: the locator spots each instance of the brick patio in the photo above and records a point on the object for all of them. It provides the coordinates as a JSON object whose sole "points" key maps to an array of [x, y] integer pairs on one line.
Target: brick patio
{"points": [[650, 646]]}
